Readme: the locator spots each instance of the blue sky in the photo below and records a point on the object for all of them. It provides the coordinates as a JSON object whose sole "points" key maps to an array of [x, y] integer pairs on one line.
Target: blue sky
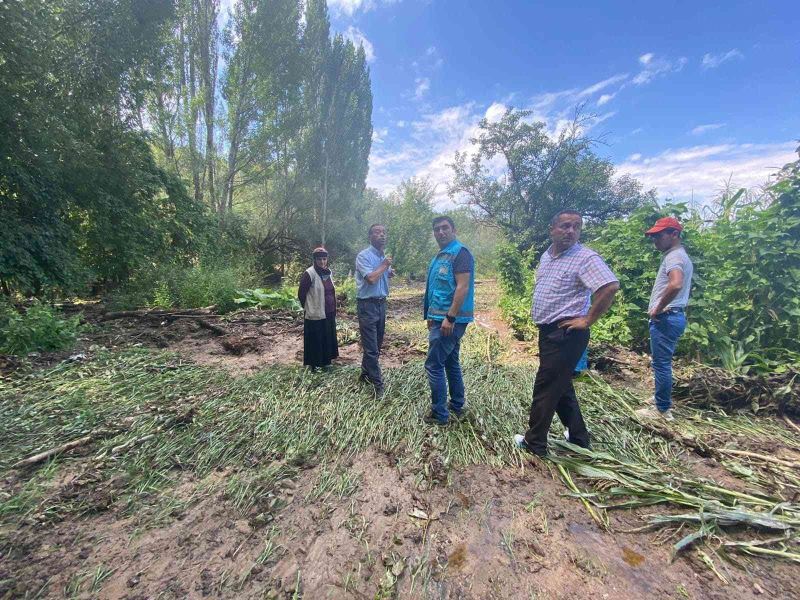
{"points": [[686, 94]]}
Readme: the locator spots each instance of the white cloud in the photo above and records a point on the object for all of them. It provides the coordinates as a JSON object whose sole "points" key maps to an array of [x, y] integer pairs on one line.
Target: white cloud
{"points": [[605, 99], [657, 66], [702, 171], [358, 38], [701, 129], [350, 7], [712, 61], [495, 112], [421, 87], [555, 107], [379, 134], [435, 137], [601, 85]]}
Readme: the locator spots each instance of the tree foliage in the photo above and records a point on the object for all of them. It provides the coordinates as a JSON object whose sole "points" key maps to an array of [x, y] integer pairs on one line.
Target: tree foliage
{"points": [[408, 218], [79, 191], [111, 109], [519, 176], [745, 304]]}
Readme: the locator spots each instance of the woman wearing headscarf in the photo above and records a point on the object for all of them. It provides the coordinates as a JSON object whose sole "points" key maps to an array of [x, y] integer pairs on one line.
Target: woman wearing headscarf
{"points": [[318, 297]]}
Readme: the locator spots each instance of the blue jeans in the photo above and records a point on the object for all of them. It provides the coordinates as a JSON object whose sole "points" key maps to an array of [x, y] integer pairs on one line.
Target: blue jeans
{"points": [[583, 362], [665, 331], [443, 359]]}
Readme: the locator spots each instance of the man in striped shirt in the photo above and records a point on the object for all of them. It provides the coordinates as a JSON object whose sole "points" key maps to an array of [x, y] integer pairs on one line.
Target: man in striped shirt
{"points": [[574, 288]]}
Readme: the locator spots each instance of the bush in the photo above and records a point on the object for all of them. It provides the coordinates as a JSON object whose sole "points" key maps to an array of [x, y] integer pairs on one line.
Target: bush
{"points": [[516, 280], [211, 285], [744, 311], [39, 328], [346, 293], [511, 270], [184, 287], [516, 310], [282, 298]]}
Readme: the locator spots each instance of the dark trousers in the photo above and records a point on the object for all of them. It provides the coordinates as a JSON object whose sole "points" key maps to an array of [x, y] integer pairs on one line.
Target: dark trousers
{"points": [[553, 392], [371, 326]]}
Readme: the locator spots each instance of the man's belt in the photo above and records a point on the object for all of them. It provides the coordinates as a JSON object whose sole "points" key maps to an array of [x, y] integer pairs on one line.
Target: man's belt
{"points": [[374, 299], [552, 326]]}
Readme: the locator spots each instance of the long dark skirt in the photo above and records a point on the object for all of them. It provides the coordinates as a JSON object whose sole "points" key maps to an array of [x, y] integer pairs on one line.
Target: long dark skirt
{"points": [[319, 342]]}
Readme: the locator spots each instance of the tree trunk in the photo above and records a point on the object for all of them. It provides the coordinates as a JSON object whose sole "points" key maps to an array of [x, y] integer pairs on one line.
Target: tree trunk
{"points": [[208, 79], [187, 52], [324, 198]]}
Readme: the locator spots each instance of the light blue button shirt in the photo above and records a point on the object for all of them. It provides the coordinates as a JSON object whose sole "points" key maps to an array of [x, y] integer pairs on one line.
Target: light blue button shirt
{"points": [[367, 261]]}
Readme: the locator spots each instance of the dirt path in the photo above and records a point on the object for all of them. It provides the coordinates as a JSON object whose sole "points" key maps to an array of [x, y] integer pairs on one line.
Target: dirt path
{"points": [[488, 533]]}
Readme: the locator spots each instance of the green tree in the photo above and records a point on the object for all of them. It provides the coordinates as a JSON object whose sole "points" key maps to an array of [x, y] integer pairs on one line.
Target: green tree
{"points": [[338, 121], [408, 220], [80, 195], [541, 176]]}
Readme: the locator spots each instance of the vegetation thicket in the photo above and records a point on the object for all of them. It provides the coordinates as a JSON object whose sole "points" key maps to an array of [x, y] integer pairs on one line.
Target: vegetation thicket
{"points": [[745, 302], [144, 138]]}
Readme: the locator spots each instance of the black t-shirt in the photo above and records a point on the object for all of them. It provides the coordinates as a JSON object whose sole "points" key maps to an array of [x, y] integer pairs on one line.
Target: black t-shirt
{"points": [[464, 262]]}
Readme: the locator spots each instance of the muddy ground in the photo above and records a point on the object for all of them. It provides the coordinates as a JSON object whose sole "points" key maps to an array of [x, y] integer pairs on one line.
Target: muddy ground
{"points": [[476, 532], [487, 533]]}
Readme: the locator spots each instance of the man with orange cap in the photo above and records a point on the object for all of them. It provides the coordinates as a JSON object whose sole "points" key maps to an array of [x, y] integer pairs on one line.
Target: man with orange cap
{"points": [[667, 307]]}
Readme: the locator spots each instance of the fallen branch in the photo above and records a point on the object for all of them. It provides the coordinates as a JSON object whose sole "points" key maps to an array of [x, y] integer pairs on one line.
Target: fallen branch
{"points": [[770, 459], [37, 458], [791, 423], [135, 442], [699, 447], [159, 313], [213, 328]]}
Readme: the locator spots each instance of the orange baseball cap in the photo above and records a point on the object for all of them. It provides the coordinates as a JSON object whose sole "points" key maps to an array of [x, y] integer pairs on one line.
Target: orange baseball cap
{"points": [[664, 223]]}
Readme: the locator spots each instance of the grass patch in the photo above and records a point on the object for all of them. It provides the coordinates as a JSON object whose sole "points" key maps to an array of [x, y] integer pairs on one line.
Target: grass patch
{"points": [[39, 327], [153, 418]]}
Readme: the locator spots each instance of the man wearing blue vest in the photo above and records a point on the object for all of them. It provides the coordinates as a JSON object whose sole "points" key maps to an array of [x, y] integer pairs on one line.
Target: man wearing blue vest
{"points": [[449, 301]]}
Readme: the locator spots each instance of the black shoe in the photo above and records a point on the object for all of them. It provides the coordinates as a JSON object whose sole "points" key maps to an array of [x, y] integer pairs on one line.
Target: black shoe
{"points": [[459, 415], [431, 420]]}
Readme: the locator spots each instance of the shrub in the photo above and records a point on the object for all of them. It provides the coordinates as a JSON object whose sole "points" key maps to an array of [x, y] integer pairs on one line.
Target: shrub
{"points": [[511, 270], [39, 328], [516, 310], [346, 293], [282, 298], [211, 285], [184, 287]]}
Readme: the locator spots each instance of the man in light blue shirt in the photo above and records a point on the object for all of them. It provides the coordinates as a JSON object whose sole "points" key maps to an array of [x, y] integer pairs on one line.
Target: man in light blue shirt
{"points": [[373, 270]]}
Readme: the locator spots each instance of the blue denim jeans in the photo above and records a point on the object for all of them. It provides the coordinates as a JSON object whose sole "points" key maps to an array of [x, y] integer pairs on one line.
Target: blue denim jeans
{"points": [[665, 331], [443, 360]]}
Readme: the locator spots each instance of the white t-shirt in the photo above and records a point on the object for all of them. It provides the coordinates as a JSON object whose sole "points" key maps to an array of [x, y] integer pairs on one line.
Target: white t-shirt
{"points": [[676, 258]]}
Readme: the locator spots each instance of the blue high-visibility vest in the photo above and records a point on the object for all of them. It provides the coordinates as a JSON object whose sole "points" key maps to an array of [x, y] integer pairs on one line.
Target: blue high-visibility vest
{"points": [[441, 286]]}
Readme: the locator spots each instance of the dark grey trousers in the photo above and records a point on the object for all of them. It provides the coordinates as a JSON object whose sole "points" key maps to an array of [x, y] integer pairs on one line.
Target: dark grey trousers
{"points": [[371, 325]]}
